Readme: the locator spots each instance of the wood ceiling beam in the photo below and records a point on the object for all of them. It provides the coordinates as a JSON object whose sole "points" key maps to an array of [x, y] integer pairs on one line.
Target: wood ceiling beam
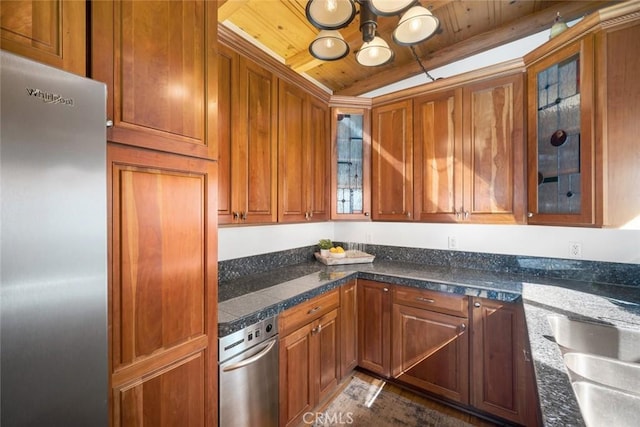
{"points": [[512, 31]]}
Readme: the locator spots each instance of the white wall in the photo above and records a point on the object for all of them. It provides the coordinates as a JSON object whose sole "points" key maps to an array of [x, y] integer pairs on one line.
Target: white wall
{"points": [[553, 242]]}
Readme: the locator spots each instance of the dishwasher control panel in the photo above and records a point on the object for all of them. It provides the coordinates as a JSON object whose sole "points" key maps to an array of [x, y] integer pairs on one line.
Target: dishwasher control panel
{"points": [[239, 341]]}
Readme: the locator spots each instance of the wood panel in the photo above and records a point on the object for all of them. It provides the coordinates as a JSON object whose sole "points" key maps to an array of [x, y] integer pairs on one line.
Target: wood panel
{"points": [[293, 167], [257, 161], [494, 150], [228, 74], [326, 350], [296, 396], [438, 156], [159, 62], [247, 133], [163, 271], [498, 367], [173, 396], [392, 158], [618, 124], [374, 327], [51, 32], [431, 351], [348, 328], [319, 152]]}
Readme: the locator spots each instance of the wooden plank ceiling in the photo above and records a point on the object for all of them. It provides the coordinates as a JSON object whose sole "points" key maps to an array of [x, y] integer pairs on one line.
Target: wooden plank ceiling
{"points": [[467, 27]]}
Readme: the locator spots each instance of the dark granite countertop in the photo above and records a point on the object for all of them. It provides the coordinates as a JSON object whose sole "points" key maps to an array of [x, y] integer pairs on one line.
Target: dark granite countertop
{"points": [[247, 299]]}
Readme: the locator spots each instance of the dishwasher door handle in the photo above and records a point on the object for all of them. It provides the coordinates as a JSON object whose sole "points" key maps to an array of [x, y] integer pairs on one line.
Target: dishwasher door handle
{"points": [[251, 359]]}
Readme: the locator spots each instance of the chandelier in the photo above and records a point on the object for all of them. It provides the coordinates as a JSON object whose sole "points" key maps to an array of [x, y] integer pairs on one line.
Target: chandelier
{"points": [[416, 25]]}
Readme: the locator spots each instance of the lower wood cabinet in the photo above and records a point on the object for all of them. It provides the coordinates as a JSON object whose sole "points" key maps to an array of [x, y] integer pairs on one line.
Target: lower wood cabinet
{"points": [[500, 367], [374, 327], [430, 349], [308, 356], [348, 328], [477, 357]]}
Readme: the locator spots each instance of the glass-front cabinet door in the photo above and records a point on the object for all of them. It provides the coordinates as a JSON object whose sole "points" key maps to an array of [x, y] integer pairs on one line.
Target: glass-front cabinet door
{"points": [[351, 154], [560, 178]]}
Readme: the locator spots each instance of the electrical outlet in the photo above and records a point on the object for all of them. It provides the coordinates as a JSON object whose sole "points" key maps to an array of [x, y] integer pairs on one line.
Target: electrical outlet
{"points": [[575, 249], [453, 242]]}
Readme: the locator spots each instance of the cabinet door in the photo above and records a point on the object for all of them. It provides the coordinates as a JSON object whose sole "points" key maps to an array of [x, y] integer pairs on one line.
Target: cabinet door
{"points": [[293, 167], [374, 327], [438, 157], [228, 62], [159, 62], [51, 32], [560, 137], [498, 367], [392, 158], [325, 352], [162, 285], [296, 391], [348, 329], [254, 153], [494, 151], [431, 351], [318, 148], [351, 163]]}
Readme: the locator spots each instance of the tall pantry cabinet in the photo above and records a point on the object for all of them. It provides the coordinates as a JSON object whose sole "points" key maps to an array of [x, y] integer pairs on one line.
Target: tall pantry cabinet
{"points": [[159, 62]]}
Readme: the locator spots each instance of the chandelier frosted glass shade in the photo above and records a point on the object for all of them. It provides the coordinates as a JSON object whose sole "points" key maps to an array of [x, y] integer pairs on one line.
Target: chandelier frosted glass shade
{"points": [[330, 14], [415, 26], [374, 53], [329, 45], [390, 7]]}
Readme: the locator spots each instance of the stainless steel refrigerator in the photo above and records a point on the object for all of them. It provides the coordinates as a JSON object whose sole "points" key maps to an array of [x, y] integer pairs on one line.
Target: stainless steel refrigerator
{"points": [[53, 233]]}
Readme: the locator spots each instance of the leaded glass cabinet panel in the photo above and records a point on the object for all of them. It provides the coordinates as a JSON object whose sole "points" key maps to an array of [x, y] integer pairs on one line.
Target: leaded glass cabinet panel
{"points": [[560, 91], [350, 163]]}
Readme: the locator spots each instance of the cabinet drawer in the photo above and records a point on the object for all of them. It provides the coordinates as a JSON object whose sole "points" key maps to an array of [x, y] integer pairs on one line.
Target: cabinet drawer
{"points": [[441, 302], [308, 311]]}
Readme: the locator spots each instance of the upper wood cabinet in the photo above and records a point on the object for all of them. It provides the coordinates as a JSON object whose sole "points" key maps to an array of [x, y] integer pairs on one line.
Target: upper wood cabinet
{"points": [[392, 162], [493, 150], [303, 156], [247, 140], [438, 164], [469, 153], [52, 32], [561, 146], [158, 60], [162, 288], [350, 163]]}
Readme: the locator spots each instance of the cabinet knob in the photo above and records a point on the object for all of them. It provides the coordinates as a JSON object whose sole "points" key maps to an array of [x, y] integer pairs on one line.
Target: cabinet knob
{"points": [[476, 304], [385, 289], [408, 214], [109, 123], [466, 214], [244, 216], [366, 214], [463, 326], [235, 215], [529, 214]]}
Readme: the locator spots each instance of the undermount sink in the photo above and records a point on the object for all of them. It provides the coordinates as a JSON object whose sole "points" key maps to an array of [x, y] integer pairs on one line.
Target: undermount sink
{"points": [[605, 371], [603, 406], [596, 338]]}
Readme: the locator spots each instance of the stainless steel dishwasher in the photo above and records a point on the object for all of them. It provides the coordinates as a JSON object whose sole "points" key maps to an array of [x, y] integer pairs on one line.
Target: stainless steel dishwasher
{"points": [[248, 376]]}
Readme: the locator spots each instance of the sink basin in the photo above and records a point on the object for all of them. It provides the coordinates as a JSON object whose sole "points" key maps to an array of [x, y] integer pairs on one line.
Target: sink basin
{"points": [[602, 406], [595, 338], [605, 371]]}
